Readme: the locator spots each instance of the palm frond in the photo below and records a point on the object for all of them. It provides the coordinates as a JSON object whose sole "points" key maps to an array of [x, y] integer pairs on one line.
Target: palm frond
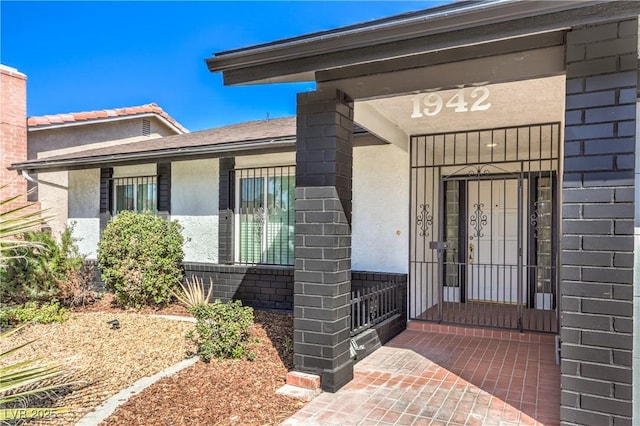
{"points": [[15, 221], [26, 378]]}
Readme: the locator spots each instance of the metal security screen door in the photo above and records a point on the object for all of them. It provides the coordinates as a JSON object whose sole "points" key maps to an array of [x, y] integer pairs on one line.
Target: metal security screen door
{"points": [[484, 227]]}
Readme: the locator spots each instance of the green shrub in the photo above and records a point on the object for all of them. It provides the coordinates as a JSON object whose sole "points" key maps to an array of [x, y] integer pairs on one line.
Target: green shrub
{"points": [[222, 330], [36, 271], [140, 258], [31, 311]]}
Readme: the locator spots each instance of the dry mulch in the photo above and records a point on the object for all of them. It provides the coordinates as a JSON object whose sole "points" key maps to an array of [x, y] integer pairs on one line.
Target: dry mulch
{"points": [[233, 392], [107, 303]]}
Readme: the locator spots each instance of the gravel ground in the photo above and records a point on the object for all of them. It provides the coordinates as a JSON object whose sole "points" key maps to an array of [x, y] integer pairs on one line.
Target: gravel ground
{"points": [[105, 361], [101, 359]]}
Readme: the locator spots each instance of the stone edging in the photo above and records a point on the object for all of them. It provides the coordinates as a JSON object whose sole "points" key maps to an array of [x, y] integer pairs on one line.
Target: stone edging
{"points": [[109, 406]]}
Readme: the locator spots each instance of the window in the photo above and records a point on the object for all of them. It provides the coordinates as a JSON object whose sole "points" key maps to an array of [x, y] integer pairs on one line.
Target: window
{"points": [[265, 215], [135, 194]]}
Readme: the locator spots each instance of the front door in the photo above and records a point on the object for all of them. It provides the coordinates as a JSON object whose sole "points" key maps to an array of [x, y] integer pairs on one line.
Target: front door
{"points": [[494, 240]]}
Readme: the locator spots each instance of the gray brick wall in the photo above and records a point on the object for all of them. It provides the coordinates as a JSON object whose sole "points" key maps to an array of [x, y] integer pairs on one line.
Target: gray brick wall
{"points": [[323, 238], [267, 287], [364, 279], [598, 211], [264, 287]]}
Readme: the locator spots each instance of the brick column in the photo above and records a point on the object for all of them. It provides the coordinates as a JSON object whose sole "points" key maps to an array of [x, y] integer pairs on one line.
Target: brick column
{"points": [[13, 131], [598, 225], [226, 200], [163, 171], [106, 196], [323, 238]]}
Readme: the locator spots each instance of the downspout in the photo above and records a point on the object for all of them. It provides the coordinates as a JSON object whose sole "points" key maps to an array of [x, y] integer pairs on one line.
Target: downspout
{"points": [[30, 178]]}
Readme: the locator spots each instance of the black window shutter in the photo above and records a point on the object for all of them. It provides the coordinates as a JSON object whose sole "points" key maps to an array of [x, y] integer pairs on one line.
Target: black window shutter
{"points": [[106, 191], [164, 187]]}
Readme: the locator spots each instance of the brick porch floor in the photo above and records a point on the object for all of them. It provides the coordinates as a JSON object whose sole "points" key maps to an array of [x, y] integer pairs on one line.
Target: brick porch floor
{"points": [[447, 376]]}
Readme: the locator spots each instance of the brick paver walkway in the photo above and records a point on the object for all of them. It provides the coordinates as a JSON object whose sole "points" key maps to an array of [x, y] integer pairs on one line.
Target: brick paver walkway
{"points": [[435, 378]]}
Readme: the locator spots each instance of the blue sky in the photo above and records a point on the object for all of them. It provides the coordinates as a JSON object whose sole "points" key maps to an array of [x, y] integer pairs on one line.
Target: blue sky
{"points": [[82, 56]]}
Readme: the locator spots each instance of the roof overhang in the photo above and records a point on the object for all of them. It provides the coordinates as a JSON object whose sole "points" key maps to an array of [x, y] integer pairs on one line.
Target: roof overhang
{"points": [[65, 125], [447, 27], [79, 162], [105, 157]]}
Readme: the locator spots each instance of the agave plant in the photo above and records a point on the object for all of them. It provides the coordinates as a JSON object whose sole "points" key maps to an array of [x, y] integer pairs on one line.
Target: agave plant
{"points": [[193, 293]]}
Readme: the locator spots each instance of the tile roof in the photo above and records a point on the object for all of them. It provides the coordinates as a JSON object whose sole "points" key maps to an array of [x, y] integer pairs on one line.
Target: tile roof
{"points": [[80, 117]]}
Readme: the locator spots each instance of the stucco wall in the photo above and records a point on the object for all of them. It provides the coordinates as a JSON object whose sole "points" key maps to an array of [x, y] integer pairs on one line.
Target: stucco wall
{"points": [[84, 207], [280, 159], [53, 197], [134, 171], [56, 141], [380, 224], [380, 229], [42, 143], [194, 204]]}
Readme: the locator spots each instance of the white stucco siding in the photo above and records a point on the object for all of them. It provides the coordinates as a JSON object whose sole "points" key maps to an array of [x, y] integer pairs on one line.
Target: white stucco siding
{"points": [[194, 204], [84, 209], [47, 142], [53, 197], [134, 171], [266, 160], [380, 228]]}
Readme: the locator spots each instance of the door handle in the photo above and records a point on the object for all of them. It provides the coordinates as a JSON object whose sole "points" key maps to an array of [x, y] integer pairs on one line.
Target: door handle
{"points": [[471, 253]]}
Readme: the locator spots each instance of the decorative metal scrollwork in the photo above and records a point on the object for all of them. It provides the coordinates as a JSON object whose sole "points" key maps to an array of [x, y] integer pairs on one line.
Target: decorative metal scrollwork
{"points": [[533, 219], [483, 170], [478, 221], [424, 220]]}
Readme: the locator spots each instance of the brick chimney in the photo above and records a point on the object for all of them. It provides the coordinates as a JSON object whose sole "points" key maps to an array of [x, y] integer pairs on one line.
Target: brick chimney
{"points": [[13, 129]]}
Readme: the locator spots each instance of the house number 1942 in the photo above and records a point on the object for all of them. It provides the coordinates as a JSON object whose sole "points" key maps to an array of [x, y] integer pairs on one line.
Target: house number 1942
{"points": [[430, 104]]}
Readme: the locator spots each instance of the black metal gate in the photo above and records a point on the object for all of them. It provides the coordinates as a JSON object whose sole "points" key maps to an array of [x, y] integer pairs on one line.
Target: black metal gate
{"points": [[484, 227]]}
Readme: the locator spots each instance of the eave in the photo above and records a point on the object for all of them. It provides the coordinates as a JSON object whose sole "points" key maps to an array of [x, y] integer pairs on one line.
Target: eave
{"points": [[161, 119], [170, 154], [95, 158], [447, 27]]}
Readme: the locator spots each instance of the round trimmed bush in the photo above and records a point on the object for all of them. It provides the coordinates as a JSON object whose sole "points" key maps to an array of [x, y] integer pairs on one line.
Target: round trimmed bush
{"points": [[140, 258]]}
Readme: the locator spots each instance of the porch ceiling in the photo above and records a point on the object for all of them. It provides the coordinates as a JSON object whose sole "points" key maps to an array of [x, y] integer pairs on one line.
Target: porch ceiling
{"points": [[395, 119]]}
